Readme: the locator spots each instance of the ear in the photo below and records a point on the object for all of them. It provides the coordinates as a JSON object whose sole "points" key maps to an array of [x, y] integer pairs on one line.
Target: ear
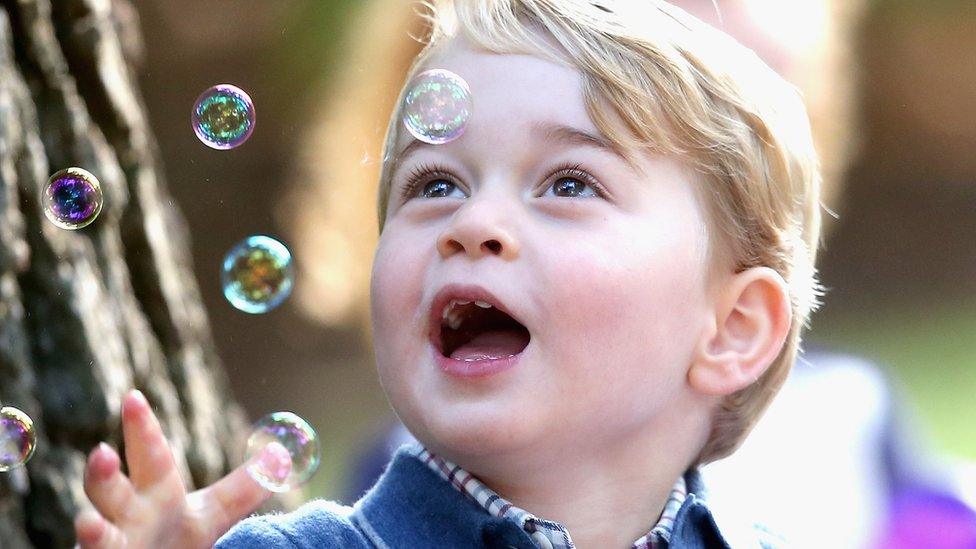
{"points": [[752, 318]]}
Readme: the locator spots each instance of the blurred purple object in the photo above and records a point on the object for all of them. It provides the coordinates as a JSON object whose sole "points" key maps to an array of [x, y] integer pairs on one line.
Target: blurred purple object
{"points": [[922, 517]]}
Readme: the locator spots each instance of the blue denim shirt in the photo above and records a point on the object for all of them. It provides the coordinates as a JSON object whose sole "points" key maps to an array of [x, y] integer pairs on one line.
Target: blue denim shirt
{"points": [[411, 507]]}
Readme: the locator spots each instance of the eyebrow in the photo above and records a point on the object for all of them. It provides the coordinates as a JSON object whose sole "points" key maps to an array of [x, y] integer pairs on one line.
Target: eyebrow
{"points": [[574, 136], [558, 133]]}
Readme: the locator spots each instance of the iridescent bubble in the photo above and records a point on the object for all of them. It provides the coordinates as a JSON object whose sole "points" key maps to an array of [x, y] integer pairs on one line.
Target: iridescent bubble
{"points": [[437, 106], [17, 438], [223, 117], [290, 464], [72, 198], [257, 274]]}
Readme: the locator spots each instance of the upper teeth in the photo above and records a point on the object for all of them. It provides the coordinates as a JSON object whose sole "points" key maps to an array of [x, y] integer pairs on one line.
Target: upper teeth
{"points": [[451, 315]]}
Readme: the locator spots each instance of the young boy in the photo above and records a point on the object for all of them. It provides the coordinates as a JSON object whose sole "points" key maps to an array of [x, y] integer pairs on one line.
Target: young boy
{"points": [[599, 286]]}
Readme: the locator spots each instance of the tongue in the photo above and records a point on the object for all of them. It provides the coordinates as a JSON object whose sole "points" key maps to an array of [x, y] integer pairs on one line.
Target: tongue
{"points": [[492, 344]]}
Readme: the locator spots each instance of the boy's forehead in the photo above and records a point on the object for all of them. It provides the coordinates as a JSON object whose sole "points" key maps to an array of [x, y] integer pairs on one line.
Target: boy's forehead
{"points": [[512, 93]]}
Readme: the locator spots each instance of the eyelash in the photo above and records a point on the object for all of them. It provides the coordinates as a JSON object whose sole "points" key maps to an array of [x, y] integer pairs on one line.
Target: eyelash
{"points": [[424, 173]]}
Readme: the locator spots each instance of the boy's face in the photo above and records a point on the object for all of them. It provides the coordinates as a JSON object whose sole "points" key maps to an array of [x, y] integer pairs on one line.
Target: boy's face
{"points": [[610, 288]]}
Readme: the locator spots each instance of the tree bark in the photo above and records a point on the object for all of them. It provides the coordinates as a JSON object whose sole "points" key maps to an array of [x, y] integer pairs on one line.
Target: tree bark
{"points": [[85, 315]]}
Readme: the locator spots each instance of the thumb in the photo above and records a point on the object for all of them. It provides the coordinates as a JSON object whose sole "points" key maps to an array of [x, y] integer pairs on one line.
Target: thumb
{"points": [[238, 494]]}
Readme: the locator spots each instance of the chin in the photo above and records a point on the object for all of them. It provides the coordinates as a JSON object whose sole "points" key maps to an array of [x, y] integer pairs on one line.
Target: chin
{"points": [[477, 430]]}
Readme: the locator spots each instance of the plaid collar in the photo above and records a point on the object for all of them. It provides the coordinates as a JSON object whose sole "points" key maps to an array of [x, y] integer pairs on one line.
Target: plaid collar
{"points": [[547, 534]]}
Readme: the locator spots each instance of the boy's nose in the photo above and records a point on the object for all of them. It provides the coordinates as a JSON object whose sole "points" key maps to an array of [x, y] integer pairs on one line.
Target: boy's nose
{"points": [[477, 232]]}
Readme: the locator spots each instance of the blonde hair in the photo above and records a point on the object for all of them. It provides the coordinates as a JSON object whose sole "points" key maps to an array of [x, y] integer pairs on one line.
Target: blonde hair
{"points": [[680, 87]]}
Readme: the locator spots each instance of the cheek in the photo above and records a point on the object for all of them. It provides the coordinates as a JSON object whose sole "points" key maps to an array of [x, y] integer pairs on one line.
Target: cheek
{"points": [[624, 314], [396, 290]]}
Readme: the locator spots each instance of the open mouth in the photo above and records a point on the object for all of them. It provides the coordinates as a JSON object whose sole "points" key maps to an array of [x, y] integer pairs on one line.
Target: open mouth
{"points": [[476, 330]]}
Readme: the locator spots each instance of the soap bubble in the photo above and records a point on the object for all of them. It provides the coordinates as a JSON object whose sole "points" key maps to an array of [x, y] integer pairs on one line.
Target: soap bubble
{"points": [[290, 464], [17, 438], [437, 106], [223, 117], [257, 274], [72, 198]]}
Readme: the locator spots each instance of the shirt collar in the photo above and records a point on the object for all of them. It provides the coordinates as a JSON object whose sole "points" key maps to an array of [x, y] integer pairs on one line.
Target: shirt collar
{"points": [[547, 534]]}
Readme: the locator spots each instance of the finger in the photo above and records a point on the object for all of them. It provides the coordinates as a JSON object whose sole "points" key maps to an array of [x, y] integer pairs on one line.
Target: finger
{"points": [[94, 532], [147, 453], [107, 488], [236, 495]]}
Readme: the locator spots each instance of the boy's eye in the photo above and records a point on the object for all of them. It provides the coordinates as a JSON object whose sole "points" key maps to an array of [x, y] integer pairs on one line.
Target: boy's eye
{"points": [[428, 181], [571, 187], [437, 188], [572, 181]]}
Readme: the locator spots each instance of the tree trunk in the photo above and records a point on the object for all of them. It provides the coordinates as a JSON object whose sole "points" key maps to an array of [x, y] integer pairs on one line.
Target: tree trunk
{"points": [[85, 315]]}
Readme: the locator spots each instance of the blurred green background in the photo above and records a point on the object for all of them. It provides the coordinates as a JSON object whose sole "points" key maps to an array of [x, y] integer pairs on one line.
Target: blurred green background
{"points": [[900, 261]]}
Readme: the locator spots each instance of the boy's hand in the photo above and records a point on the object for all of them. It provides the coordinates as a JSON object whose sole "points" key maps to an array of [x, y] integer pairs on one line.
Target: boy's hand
{"points": [[151, 508]]}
